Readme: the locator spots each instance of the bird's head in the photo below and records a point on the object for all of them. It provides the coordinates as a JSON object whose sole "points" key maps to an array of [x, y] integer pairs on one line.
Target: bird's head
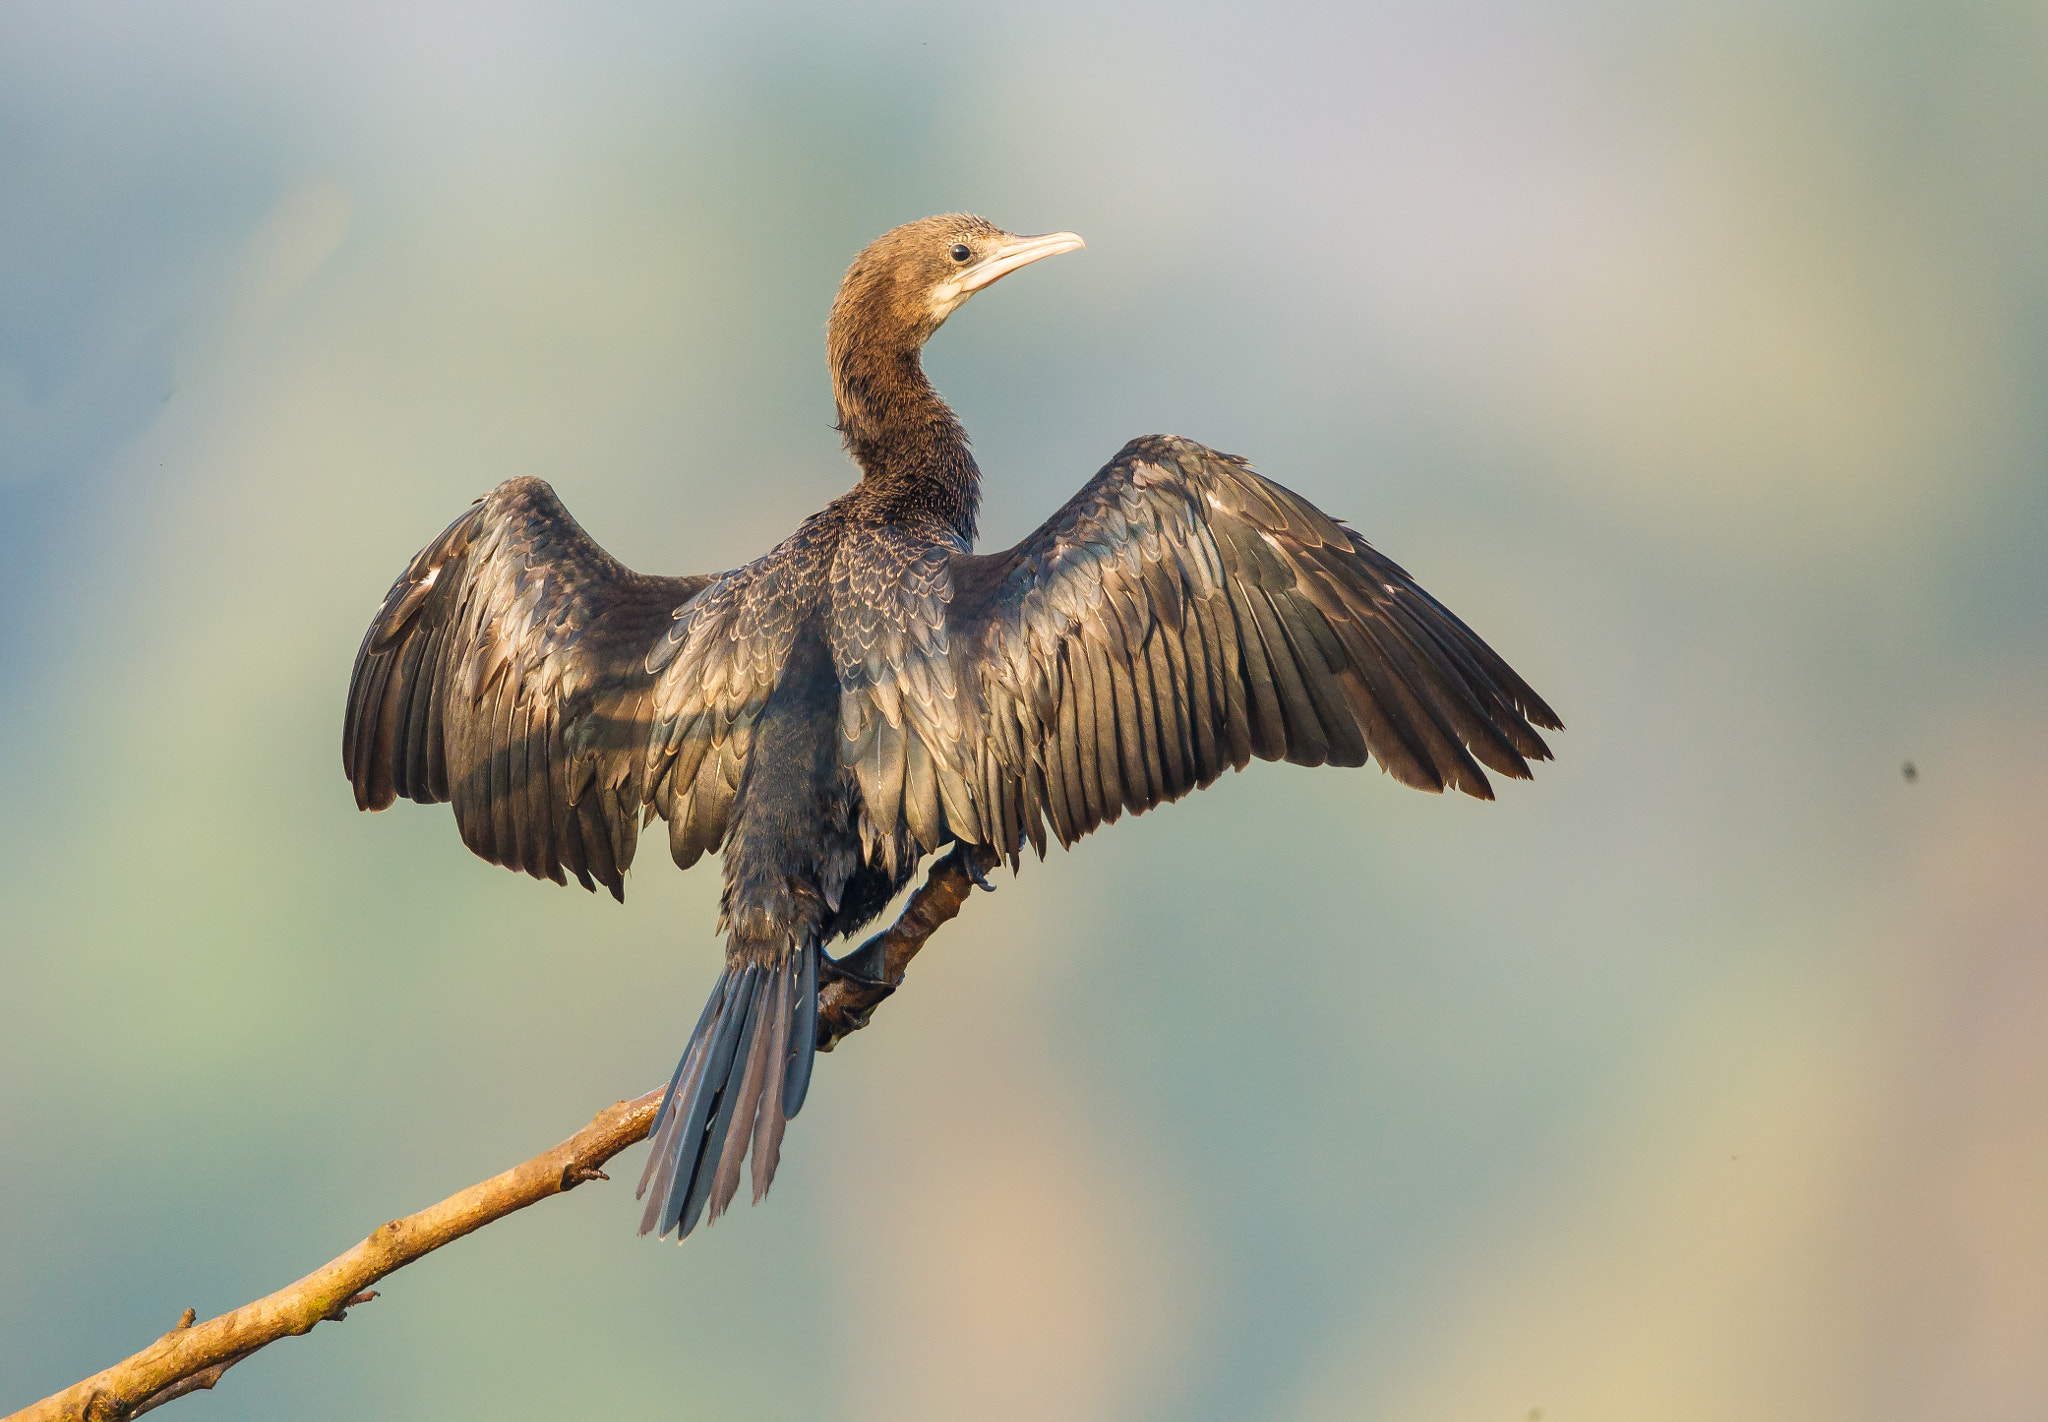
{"points": [[904, 285]]}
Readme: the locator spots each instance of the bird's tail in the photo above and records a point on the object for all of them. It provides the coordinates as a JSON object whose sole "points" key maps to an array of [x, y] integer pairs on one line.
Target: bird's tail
{"points": [[742, 1077]]}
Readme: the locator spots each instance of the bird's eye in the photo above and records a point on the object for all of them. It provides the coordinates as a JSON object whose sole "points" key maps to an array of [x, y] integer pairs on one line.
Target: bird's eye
{"points": [[961, 252]]}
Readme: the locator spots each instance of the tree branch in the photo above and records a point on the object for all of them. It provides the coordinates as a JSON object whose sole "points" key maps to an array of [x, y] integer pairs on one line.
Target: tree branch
{"points": [[192, 1356]]}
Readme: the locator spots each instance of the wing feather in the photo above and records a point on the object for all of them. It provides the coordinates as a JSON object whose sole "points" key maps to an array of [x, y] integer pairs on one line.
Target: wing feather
{"points": [[1182, 614], [505, 673]]}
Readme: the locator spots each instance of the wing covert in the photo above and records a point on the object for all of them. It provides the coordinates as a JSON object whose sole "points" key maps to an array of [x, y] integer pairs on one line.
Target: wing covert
{"points": [[714, 672], [905, 731]]}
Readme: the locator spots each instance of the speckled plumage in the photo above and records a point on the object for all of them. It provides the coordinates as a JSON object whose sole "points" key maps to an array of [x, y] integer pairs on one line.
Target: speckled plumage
{"points": [[871, 690]]}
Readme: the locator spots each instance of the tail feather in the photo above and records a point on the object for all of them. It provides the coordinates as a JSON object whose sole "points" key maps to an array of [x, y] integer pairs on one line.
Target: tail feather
{"points": [[803, 1038], [728, 1110], [664, 1157], [742, 1077], [766, 1101], [665, 1120]]}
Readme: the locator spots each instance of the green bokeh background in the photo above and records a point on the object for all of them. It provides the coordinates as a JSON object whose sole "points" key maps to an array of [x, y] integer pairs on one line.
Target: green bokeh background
{"points": [[1696, 353]]}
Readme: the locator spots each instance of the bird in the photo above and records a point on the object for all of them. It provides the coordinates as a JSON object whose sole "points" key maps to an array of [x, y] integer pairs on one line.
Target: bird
{"points": [[872, 690]]}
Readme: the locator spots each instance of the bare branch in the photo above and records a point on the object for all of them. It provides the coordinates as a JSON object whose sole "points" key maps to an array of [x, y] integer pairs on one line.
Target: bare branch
{"points": [[193, 1356], [190, 1358]]}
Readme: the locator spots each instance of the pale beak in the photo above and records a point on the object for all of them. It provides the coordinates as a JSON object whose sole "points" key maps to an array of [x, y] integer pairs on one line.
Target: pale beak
{"points": [[1015, 253]]}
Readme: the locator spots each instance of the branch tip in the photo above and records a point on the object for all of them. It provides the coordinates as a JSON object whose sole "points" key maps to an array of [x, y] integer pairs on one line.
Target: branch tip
{"points": [[339, 1313]]}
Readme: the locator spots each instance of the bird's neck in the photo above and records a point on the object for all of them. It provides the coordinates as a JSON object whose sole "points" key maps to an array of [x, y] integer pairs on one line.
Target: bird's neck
{"points": [[912, 452]]}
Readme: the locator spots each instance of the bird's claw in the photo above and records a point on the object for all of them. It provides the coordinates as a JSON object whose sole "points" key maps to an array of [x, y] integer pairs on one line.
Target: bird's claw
{"points": [[832, 969], [866, 991], [976, 877]]}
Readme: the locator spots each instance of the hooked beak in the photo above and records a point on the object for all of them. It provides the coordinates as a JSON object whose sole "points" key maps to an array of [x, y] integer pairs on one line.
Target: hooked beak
{"points": [[1015, 253]]}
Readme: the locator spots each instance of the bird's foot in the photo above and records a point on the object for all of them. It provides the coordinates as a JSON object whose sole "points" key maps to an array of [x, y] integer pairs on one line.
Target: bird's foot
{"points": [[861, 969], [863, 990], [850, 988]]}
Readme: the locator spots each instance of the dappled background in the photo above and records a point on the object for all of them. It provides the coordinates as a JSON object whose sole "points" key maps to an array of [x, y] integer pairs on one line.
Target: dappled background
{"points": [[1696, 353]]}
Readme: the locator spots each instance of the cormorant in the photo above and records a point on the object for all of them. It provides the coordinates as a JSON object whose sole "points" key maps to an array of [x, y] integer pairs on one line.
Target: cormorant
{"points": [[872, 689]]}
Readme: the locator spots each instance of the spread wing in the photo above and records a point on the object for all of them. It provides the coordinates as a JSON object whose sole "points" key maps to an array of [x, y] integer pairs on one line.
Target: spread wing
{"points": [[1182, 614], [507, 673]]}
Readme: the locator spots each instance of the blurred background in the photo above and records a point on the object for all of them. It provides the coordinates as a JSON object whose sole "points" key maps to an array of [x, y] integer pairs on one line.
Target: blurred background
{"points": [[1695, 353]]}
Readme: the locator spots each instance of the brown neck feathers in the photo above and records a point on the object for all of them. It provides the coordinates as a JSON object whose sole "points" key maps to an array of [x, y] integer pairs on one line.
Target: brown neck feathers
{"points": [[911, 449]]}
